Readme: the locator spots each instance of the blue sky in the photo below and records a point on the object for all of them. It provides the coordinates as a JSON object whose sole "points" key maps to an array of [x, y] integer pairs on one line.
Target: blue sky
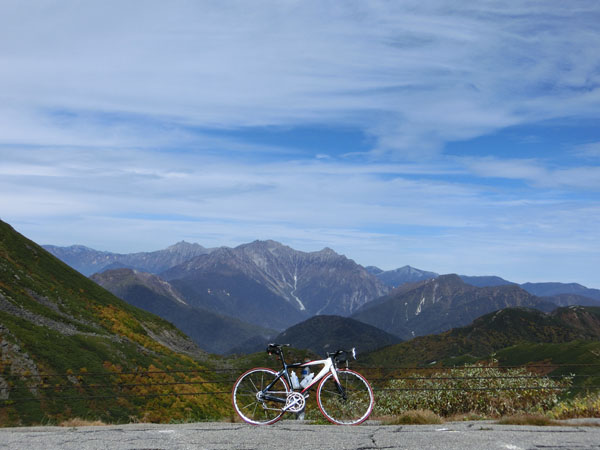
{"points": [[458, 139]]}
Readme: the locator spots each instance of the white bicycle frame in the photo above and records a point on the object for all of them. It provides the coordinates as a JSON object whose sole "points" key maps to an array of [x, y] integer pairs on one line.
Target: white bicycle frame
{"points": [[328, 367]]}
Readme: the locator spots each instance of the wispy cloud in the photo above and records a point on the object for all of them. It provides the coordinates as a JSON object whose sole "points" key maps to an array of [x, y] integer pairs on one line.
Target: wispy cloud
{"points": [[414, 75], [590, 150], [213, 200], [536, 172]]}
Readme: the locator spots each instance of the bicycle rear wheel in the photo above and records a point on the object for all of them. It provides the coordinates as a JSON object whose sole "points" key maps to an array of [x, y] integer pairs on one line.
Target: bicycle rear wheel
{"points": [[357, 405], [249, 399]]}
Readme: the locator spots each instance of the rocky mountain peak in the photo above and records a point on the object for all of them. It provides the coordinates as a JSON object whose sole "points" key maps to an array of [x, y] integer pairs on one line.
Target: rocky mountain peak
{"points": [[327, 252], [264, 248], [405, 274], [183, 246]]}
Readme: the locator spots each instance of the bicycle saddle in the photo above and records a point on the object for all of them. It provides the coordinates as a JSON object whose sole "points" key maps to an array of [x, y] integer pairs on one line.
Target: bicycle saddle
{"points": [[275, 348]]}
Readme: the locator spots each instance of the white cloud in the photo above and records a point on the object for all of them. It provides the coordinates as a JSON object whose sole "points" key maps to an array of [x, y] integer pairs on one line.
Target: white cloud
{"points": [[414, 75], [518, 169]]}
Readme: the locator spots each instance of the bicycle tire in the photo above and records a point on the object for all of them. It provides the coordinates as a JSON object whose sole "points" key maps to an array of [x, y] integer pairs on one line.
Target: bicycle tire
{"points": [[359, 401], [247, 403]]}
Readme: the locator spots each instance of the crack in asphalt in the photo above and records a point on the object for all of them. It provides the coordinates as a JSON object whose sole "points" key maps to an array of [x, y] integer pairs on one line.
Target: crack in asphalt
{"points": [[373, 439]]}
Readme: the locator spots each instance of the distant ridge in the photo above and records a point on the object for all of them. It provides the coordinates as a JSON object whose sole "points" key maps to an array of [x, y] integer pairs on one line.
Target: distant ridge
{"points": [[485, 281], [571, 300], [579, 294], [550, 289], [439, 304], [89, 261], [493, 332], [402, 275]]}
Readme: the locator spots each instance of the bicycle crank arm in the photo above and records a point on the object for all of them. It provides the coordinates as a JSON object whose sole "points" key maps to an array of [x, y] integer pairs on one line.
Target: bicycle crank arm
{"points": [[291, 405], [273, 398]]}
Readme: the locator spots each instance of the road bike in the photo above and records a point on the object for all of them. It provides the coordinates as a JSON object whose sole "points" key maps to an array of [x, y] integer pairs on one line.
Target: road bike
{"points": [[261, 396]]}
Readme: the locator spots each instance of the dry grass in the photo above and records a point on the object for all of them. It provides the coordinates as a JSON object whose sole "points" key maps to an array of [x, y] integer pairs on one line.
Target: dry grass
{"points": [[77, 422], [581, 424], [543, 421], [528, 419], [415, 417]]}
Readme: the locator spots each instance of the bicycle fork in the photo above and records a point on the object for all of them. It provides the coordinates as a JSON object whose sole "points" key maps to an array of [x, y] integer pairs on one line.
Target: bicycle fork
{"points": [[338, 383], [341, 390]]}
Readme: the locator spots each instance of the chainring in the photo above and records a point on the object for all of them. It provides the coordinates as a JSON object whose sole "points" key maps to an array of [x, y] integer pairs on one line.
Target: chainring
{"points": [[295, 402]]}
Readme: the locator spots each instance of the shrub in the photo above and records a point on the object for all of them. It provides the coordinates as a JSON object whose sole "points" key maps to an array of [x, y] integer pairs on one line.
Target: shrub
{"points": [[580, 406], [470, 390]]}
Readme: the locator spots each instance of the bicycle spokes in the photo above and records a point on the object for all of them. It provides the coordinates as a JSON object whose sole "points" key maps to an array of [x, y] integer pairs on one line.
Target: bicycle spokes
{"points": [[253, 402], [349, 405]]}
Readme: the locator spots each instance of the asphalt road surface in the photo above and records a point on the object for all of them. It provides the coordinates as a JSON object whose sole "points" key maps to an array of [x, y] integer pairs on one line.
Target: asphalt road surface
{"points": [[292, 435]]}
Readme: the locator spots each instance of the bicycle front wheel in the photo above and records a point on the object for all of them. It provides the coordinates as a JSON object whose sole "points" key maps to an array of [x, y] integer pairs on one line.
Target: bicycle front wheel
{"points": [[253, 403], [357, 405]]}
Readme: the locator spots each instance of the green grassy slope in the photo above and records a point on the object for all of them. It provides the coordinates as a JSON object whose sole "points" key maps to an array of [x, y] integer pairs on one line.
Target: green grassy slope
{"points": [[581, 358], [64, 339]]}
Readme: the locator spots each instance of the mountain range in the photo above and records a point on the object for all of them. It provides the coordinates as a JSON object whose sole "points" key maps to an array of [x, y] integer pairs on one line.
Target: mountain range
{"points": [[89, 261], [408, 274], [232, 299], [271, 284]]}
